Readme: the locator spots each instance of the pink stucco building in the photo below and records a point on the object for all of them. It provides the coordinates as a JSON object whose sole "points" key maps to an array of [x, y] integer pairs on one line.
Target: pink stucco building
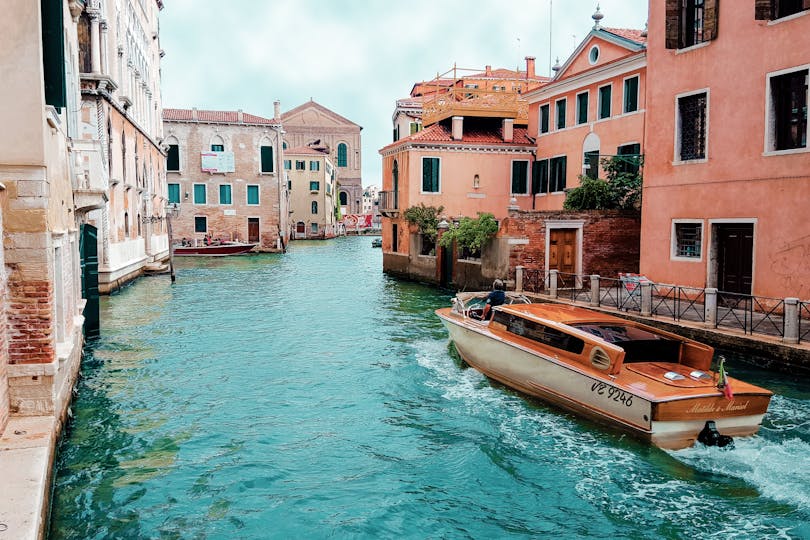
{"points": [[727, 165]]}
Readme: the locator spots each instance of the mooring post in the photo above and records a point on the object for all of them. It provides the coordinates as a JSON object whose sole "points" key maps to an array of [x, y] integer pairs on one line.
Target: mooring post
{"points": [[595, 290], [791, 321], [519, 279], [710, 307], [646, 298], [552, 283]]}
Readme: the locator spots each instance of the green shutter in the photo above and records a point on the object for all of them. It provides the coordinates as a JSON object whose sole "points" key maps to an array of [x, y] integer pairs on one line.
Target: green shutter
{"points": [[267, 159], [224, 194], [430, 175], [519, 171], [253, 194], [174, 193], [200, 224], [582, 108], [342, 158], [604, 102], [199, 194], [542, 176], [561, 114], [53, 53], [544, 118], [631, 95]]}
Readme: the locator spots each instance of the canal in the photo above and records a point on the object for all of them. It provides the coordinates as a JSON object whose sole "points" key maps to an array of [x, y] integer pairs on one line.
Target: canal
{"points": [[307, 395]]}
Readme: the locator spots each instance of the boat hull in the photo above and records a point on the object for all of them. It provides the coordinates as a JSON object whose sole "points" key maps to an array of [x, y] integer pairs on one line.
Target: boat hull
{"points": [[221, 250], [667, 424]]}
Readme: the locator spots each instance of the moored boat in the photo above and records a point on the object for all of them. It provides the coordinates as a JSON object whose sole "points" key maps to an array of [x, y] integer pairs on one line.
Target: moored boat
{"points": [[212, 250], [654, 384], [377, 242]]}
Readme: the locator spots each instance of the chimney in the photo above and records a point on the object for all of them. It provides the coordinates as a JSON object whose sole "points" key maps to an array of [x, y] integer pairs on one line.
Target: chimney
{"points": [[240, 116], [530, 67], [489, 71], [458, 127], [194, 113], [508, 130], [276, 110]]}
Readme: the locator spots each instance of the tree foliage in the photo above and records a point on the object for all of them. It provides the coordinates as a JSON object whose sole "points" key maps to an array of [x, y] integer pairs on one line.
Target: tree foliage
{"points": [[621, 190], [426, 218], [471, 234]]}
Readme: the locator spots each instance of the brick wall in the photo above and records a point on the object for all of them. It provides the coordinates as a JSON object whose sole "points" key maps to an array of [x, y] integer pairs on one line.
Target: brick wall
{"points": [[29, 320], [610, 239]]}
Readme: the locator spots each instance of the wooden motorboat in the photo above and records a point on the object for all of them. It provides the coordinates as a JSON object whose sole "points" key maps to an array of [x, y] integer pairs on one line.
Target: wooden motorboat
{"points": [[377, 242], [212, 250], [654, 384]]}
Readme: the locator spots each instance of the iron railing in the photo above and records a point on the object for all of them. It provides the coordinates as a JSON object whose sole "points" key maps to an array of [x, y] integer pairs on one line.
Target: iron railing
{"points": [[788, 319]]}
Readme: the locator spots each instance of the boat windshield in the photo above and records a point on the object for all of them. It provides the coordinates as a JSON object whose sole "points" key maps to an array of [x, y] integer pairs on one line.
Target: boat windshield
{"points": [[639, 344]]}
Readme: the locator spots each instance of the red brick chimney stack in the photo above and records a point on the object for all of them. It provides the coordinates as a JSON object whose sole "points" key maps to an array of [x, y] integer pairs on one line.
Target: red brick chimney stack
{"points": [[530, 67]]}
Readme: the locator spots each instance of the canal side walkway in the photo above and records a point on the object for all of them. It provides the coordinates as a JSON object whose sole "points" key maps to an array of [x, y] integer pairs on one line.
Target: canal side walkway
{"points": [[26, 460]]}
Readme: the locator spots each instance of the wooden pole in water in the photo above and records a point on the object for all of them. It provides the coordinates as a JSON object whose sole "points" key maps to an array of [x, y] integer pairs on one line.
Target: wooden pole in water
{"points": [[169, 212]]}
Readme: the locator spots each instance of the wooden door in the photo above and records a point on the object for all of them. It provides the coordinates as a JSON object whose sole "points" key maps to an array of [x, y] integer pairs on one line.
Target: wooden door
{"points": [[562, 250], [253, 229], [735, 250]]}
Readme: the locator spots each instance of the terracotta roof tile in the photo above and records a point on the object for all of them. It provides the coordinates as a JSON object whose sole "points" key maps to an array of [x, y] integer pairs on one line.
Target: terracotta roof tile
{"points": [[303, 151], [439, 133], [628, 33], [225, 117]]}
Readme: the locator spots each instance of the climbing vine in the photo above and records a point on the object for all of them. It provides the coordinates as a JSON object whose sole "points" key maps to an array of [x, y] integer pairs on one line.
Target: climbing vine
{"points": [[426, 218], [471, 234]]}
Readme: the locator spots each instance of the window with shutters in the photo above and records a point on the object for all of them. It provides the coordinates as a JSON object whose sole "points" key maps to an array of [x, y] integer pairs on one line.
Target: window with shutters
{"points": [[788, 110], [520, 177], [267, 159], [560, 106], [314, 185], [692, 126], [174, 193], [430, 175], [199, 194], [287, 164], [314, 165], [253, 194], [540, 176], [631, 94], [543, 120], [173, 158], [556, 180], [605, 96], [690, 22], [217, 147], [582, 108], [314, 207], [777, 9], [342, 155], [300, 165], [225, 194]]}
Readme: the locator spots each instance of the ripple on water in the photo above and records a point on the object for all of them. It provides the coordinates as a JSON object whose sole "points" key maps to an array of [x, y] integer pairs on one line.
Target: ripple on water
{"points": [[310, 396]]}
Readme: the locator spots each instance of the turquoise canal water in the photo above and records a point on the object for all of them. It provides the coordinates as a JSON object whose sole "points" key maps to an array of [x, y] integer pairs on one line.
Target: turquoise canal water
{"points": [[310, 396]]}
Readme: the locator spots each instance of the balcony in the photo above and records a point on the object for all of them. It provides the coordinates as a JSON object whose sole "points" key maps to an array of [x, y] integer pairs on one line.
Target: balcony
{"points": [[389, 204], [472, 102], [90, 184]]}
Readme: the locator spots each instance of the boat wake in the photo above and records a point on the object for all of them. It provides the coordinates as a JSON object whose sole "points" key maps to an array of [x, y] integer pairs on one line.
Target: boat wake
{"points": [[740, 493]]}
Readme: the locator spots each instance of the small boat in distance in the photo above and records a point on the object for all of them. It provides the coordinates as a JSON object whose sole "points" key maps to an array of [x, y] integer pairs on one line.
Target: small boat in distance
{"points": [[212, 250], [651, 383], [377, 242]]}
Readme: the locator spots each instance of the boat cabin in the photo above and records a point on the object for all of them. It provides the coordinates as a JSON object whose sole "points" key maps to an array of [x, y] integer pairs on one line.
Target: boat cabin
{"points": [[599, 341]]}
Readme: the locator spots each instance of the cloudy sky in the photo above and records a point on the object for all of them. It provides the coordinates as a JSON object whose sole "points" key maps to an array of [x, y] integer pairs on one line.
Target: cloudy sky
{"points": [[357, 57]]}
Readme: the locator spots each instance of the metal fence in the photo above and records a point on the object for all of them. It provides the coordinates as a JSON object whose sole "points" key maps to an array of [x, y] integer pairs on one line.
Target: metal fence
{"points": [[788, 319]]}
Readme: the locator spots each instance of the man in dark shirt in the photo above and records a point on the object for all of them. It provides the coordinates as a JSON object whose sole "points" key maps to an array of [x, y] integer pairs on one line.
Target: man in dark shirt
{"points": [[495, 298]]}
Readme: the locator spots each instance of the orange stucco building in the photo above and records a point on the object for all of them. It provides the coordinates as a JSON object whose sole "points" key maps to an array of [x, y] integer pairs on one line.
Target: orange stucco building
{"points": [[727, 166], [593, 108]]}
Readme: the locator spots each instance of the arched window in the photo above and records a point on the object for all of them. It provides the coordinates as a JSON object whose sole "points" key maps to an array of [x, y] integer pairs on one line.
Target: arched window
{"points": [[344, 198], [139, 225], [83, 29], [217, 144], [126, 224], [395, 176], [342, 157], [314, 207]]}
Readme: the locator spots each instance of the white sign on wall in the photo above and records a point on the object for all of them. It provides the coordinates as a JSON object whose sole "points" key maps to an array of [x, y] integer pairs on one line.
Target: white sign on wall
{"points": [[217, 162]]}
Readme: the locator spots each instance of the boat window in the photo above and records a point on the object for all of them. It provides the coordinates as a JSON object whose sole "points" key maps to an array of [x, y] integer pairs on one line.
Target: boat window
{"points": [[639, 344], [540, 333]]}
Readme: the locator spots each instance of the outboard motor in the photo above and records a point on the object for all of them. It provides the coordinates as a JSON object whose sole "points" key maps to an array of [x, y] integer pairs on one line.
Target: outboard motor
{"points": [[711, 437]]}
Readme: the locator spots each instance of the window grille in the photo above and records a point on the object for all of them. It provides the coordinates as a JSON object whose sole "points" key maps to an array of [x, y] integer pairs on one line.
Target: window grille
{"points": [[692, 23], [692, 110], [688, 239]]}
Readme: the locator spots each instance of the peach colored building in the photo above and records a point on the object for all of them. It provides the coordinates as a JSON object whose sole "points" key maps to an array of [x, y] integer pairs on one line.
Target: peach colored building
{"points": [[727, 167], [311, 180], [225, 174], [313, 125], [593, 108]]}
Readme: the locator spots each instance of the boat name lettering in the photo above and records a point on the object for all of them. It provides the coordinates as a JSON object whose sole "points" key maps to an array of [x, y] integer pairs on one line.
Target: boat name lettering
{"points": [[617, 395], [698, 408]]}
